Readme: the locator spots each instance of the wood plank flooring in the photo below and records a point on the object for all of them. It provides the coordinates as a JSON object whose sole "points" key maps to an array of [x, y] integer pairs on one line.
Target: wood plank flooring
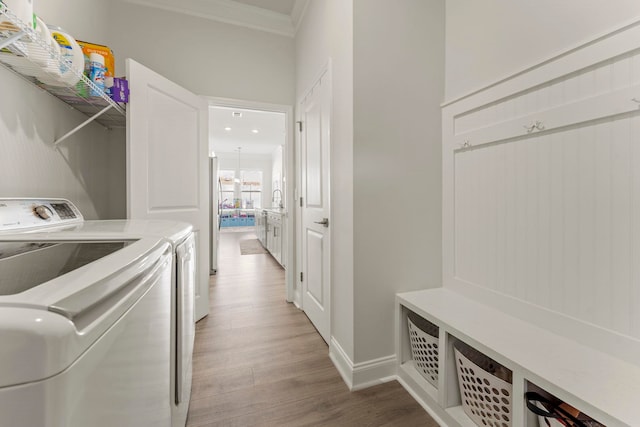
{"points": [[258, 361]]}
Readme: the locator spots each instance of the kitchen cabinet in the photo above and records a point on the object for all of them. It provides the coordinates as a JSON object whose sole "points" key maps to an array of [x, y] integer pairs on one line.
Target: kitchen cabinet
{"points": [[283, 239], [261, 227], [274, 238], [271, 232]]}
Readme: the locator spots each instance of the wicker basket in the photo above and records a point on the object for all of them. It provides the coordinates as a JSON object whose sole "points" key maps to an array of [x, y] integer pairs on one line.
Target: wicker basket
{"points": [[485, 387], [423, 336]]}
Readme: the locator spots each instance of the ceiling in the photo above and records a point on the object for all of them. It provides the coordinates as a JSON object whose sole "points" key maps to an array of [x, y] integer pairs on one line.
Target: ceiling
{"points": [[275, 16], [284, 7], [227, 132]]}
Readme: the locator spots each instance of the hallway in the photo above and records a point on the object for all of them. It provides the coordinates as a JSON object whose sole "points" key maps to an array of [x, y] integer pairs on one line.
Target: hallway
{"points": [[258, 361]]}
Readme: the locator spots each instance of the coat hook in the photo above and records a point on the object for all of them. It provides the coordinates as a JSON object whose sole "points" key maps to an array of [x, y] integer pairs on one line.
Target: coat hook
{"points": [[466, 144], [534, 125]]}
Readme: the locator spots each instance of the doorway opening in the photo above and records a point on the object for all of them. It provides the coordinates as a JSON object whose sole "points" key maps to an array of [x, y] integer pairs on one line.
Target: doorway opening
{"points": [[252, 179]]}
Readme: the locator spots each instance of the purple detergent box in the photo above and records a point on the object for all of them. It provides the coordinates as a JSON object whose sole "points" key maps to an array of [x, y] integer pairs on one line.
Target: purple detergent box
{"points": [[120, 90]]}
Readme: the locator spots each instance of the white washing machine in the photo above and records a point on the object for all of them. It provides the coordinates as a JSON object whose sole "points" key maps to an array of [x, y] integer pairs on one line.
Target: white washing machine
{"points": [[83, 332], [59, 220]]}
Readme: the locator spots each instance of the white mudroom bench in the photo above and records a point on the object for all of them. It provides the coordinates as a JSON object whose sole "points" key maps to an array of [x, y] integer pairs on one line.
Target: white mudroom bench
{"points": [[605, 387], [541, 237]]}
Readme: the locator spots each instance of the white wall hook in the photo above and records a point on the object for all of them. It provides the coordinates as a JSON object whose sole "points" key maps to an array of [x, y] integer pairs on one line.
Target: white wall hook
{"points": [[466, 144], [533, 126]]}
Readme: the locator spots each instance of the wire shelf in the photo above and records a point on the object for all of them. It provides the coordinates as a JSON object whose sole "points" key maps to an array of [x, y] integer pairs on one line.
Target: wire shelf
{"points": [[25, 52]]}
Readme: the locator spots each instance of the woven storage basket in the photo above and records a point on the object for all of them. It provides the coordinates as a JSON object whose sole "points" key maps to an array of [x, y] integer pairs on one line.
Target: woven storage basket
{"points": [[423, 336], [485, 387]]}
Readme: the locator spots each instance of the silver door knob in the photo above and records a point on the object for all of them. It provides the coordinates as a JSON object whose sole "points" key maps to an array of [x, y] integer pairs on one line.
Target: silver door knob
{"points": [[324, 222]]}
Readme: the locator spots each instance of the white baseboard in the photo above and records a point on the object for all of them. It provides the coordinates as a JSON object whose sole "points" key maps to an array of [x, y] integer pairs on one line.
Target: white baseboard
{"points": [[362, 375], [341, 361]]}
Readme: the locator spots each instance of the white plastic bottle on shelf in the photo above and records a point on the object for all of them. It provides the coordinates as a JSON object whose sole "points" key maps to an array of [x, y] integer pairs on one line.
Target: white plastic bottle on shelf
{"points": [[72, 64], [22, 9], [96, 73], [37, 52]]}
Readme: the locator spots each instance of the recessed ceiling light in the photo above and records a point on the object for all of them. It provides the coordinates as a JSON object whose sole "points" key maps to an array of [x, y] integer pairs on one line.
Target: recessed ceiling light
{"points": [[236, 114], [227, 128], [255, 131]]}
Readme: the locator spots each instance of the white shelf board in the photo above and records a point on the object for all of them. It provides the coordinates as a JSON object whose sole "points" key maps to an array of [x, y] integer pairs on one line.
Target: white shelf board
{"points": [[603, 386], [457, 413], [410, 371]]}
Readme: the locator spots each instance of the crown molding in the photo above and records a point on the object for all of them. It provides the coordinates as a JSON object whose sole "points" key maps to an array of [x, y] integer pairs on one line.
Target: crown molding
{"points": [[228, 12], [298, 12]]}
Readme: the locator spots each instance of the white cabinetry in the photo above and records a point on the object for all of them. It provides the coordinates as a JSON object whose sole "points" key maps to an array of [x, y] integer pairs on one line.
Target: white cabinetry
{"points": [[283, 240], [261, 227], [271, 232], [274, 237]]}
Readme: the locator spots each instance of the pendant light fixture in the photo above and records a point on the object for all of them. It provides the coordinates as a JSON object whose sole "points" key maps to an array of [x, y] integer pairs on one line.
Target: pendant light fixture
{"points": [[237, 179]]}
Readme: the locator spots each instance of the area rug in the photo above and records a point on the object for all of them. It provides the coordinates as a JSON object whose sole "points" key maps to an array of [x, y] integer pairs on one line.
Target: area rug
{"points": [[251, 247]]}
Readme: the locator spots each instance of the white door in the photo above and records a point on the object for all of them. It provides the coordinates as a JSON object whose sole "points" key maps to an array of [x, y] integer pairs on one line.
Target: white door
{"points": [[167, 161], [315, 221], [214, 214]]}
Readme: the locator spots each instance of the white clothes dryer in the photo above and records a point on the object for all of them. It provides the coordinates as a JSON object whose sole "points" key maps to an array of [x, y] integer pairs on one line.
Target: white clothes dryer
{"points": [[60, 220]]}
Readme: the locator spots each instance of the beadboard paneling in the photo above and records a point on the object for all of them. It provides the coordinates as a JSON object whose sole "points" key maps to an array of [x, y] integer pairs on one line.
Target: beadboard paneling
{"points": [[543, 222], [550, 220]]}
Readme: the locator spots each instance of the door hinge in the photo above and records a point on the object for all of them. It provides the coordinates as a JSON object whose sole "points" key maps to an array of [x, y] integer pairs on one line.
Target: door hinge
{"points": [[299, 126], [300, 201], [301, 276]]}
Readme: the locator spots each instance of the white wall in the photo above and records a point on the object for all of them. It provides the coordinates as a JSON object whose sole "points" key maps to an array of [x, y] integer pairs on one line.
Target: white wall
{"points": [[492, 39], [326, 32], [84, 19], [398, 88], [387, 89], [86, 168], [207, 57]]}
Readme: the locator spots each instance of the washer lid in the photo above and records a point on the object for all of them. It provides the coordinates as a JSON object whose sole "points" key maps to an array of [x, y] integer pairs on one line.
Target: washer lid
{"points": [[25, 265], [172, 231]]}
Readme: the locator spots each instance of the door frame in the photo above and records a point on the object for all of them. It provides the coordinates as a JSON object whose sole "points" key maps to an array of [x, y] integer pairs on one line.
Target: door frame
{"points": [[325, 71], [290, 219]]}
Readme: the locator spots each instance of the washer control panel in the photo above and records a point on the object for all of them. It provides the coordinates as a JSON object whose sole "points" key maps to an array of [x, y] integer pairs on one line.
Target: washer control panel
{"points": [[22, 214]]}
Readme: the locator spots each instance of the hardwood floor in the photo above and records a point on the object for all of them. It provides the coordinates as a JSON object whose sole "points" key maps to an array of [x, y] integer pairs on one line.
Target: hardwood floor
{"points": [[258, 361]]}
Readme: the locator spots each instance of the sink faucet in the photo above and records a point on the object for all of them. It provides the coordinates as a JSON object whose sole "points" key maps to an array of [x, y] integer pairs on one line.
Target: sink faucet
{"points": [[273, 197]]}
